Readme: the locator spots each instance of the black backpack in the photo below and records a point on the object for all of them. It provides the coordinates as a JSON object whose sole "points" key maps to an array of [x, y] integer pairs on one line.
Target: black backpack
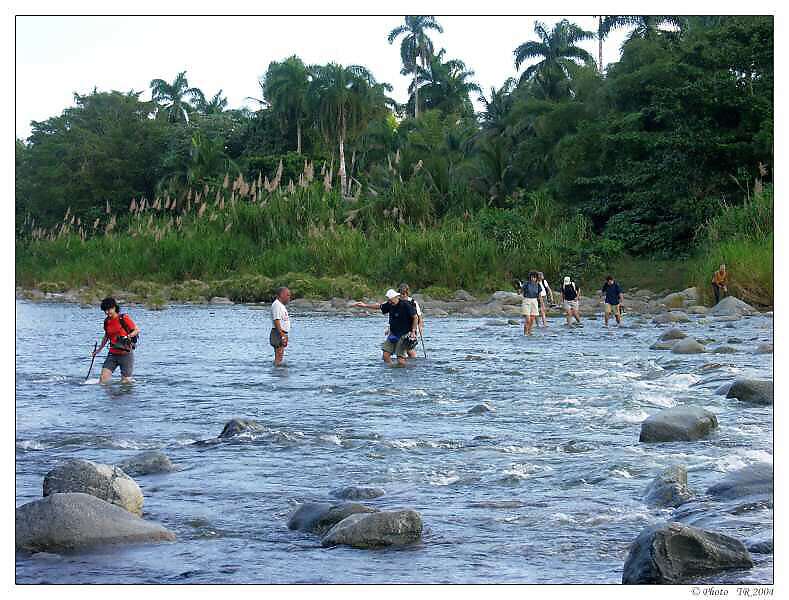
{"points": [[134, 340]]}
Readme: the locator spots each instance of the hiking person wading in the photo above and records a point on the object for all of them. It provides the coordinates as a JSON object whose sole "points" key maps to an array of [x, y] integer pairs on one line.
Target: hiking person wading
{"points": [[720, 280], [570, 300], [613, 297], [122, 334], [545, 292], [530, 305], [403, 324], [280, 324], [405, 294]]}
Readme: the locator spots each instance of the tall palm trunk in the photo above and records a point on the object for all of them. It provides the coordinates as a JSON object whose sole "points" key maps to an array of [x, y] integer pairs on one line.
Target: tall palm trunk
{"points": [[298, 137], [416, 94], [341, 168], [600, 44]]}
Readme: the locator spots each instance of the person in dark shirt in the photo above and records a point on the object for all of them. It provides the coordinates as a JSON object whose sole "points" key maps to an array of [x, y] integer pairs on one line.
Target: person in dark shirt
{"points": [[403, 322], [530, 307], [613, 297]]}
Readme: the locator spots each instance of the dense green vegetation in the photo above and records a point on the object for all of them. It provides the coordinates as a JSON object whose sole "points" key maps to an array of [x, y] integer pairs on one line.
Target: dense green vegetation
{"points": [[571, 169]]}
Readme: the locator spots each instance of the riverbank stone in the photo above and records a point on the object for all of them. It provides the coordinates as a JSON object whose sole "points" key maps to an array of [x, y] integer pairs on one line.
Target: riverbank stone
{"points": [[683, 424], [673, 334], [354, 492], [463, 296], [753, 480], [669, 488], [319, 517], [755, 391], [147, 463], [106, 482], [235, 427], [732, 307], [75, 520], [375, 530], [506, 298], [687, 345], [675, 553]]}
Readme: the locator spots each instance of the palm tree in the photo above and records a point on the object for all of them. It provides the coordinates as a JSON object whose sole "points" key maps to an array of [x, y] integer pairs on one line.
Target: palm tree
{"points": [[285, 89], [445, 85], [343, 100], [497, 108], [415, 47], [216, 105], [559, 54], [171, 97], [644, 27]]}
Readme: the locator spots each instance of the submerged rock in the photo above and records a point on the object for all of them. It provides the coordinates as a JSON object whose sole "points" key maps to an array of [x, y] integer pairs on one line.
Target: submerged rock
{"points": [[731, 306], [319, 517], [755, 391], [687, 345], [670, 488], [147, 463], [358, 493], [390, 528], [673, 334], [684, 424], [75, 520], [237, 426], [725, 350], [761, 544], [674, 553], [674, 316], [764, 349], [102, 481], [756, 479], [481, 409], [667, 345]]}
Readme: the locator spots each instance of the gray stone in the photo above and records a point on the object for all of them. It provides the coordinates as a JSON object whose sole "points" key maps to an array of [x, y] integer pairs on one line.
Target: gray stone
{"points": [[237, 426], [319, 517], [731, 306], [698, 310], [669, 488], [358, 493], [513, 322], [662, 345], [673, 316], [756, 479], [684, 424], [725, 350], [464, 296], [76, 520], [674, 553], [102, 481], [506, 298], [734, 340], [147, 463], [755, 391], [673, 334], [675, 300], [389, 528], [687, 346], [761, 544], [481, 409], [764, 348]]}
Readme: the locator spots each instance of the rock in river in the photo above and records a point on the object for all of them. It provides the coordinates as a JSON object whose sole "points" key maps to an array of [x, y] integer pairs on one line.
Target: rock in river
{"points": [[673, 334], [687, 345], [756, 479], [755, 391], [481, 409], [674, 316], [674, 553], [319, 517], [75, 520], [147, 463], [354, 492], [237, 426], [389, 528], [102, 481], [683, 424], [670, 488], [731, 307]]}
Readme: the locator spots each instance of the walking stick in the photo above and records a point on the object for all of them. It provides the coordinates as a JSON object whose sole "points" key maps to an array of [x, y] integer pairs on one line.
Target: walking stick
{"points": [[423, 344], [92, 360]]}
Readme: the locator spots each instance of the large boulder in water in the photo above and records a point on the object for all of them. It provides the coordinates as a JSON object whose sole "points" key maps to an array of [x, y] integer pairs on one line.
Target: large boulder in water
{"points": [[463, 296], [683, 424], [755, 391], [687, 345], [238, 426], [732, 307], [506, 298], [674, 553], [675, 300], [673, 334], [390, 528], [102, 481], [319, 517], [147, 463], [354, 492], [76, 520], [754, 480], [669, 488]]}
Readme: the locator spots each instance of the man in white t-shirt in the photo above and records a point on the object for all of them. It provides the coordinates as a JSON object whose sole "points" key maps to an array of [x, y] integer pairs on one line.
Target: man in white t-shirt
{"points": [[280, 324]]}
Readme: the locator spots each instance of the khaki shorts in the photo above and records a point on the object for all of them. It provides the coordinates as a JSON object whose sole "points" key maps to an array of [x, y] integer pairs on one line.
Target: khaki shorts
{"points": [[611, 308], [124, 361], [400, 348], [571, 305], [530, 307]]}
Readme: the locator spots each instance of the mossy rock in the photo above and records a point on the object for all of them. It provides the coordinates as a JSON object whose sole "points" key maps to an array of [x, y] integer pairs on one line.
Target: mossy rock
{"points": [[49, 287]]}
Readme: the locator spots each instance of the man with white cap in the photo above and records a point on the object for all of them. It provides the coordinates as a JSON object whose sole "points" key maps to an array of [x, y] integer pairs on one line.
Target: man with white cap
{"points": [[570, 297], [403, 322]]}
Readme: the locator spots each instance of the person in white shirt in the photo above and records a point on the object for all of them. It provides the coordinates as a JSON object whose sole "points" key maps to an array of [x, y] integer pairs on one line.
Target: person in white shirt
{"points": [[280, 324], [405, 294]]}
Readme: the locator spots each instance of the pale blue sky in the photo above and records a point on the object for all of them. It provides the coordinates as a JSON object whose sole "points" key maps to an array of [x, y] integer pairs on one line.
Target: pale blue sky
{"points": [[57, 56]]}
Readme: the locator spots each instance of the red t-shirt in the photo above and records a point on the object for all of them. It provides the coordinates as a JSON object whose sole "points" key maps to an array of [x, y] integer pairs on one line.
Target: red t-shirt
{"points": [[114, 329]]}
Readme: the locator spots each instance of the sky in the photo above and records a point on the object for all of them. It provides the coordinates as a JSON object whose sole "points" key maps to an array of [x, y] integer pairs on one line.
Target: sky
{"points": [[57, 56]]}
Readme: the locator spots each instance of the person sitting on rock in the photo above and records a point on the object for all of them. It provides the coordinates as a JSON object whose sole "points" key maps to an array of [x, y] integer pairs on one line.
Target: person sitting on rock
{"points": [[720, 280], [403, 326], [122, 334]]}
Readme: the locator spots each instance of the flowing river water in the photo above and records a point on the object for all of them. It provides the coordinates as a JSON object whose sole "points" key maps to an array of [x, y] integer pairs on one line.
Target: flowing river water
{"points": [[546, 489]]}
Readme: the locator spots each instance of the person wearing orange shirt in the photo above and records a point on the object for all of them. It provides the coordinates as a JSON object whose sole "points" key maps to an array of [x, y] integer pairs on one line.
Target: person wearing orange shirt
{"points": [[720, 280], [122, 334]]}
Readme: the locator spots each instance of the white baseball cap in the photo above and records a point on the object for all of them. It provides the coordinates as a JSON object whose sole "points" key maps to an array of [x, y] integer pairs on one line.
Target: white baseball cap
{"points": [[566, 281], [391, 294]]}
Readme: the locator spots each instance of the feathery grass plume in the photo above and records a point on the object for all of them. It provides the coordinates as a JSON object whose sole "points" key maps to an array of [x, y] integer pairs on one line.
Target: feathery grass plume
{"points": [[279, 172], [228, 226], [397, 157], [143, 204], [201, 210], [327, 181], [214, 216], [222, 203], [226, 182], [107, 210], [323, 168], [254, 188], [96, 222], [291, 188], [133, 205], [217, 197]]}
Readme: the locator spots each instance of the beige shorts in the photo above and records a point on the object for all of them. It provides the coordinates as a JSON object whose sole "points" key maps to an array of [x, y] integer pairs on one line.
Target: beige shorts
{"points": [[530, 307], [571, 305], [611, 308]]}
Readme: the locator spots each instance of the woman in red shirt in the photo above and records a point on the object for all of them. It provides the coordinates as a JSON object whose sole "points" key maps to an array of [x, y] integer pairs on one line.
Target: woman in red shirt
{"points": [[119, 331]]}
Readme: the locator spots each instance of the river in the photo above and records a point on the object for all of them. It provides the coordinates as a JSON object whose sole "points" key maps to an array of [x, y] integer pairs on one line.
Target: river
{"points": [[548, 488]]}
